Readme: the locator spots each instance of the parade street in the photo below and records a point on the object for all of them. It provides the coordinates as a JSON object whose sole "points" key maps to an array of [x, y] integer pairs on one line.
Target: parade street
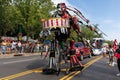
{"points": [[30, 68]]}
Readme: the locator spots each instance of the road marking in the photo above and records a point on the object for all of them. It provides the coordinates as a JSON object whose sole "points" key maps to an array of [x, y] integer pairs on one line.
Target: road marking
{"points": [[19, 61], [20, 74], [72, 74], [38, 70]]}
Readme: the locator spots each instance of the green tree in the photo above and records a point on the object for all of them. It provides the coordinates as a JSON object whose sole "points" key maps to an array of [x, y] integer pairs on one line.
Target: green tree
{"points": [[73, 35], [4, 16], [31, 12], [88, 34], [26, 12]]}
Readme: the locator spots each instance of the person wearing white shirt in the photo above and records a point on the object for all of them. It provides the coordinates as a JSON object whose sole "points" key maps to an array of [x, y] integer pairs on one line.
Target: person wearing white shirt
{"points": [[19, 46], [104, 51]]}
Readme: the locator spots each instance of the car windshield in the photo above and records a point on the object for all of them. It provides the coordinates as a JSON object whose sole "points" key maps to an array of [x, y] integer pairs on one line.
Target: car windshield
{"points": [[78, 45]]}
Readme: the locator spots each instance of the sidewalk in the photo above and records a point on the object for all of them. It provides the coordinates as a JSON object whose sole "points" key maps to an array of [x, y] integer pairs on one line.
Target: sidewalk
{"points": [[10, 55]]}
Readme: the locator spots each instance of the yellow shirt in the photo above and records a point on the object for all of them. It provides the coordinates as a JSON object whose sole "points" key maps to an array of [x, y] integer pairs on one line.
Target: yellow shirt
{"points": [[4, 43]]}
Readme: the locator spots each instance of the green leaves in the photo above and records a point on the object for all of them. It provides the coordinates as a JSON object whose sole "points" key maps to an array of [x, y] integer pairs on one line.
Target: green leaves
{"points": [[88, 34], [27, 12]]}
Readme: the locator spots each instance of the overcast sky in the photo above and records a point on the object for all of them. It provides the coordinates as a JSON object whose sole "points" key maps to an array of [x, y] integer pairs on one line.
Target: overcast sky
{"points": [[106, 13]]}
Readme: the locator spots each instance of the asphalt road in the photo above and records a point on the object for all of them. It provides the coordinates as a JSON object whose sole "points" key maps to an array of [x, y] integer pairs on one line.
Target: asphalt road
{"points": [[30, 68]]}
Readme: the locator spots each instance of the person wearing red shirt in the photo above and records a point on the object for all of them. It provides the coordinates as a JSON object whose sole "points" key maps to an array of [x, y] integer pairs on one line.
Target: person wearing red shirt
{"points": [[73, 58], [117, 54]]}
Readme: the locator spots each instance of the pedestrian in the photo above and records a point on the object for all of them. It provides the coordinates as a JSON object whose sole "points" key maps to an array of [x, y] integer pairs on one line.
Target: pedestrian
{"points": [[117, 54], [37, 47], [111, 55], [13, 46], [4, 46], [104, 51], [19, 46]]}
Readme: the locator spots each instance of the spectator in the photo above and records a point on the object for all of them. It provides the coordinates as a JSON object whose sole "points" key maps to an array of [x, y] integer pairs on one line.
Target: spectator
{"points": [[104, 51], [19, 46], [38, 47], [4, 46], [13, 46], [111, 55], [117, 54], [23, 47]]}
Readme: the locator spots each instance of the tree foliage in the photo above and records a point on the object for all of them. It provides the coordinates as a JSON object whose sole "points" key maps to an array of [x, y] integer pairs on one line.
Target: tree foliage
{"points": [[5, 23], [25, 12], [88, 34], [29, 13]]}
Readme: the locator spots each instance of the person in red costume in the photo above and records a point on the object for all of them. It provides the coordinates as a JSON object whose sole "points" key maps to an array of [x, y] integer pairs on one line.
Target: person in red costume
{"points": [[117, 54], [75, 64], [114, 44]]}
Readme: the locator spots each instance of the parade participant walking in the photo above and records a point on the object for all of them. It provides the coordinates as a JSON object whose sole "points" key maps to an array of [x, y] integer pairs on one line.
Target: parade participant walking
{"points": [[111, 55], [104, 51], [117, 54], [75, 64]]}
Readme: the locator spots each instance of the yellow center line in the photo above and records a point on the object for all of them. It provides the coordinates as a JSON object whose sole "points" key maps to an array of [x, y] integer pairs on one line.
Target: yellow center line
{"points": [[20, 74], [67, 77], [72, 74]]}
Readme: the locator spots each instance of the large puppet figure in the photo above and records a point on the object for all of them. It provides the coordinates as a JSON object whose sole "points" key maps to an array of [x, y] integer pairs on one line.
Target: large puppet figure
{"points": [[63, 33], [73, 21], [57, 25]]}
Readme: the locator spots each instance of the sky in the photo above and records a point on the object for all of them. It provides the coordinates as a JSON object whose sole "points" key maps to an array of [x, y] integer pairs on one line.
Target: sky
{"points": [[105, 13]]}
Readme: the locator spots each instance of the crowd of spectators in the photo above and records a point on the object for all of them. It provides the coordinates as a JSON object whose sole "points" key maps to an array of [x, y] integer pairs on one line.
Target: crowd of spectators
{"points": [[20, 47]]}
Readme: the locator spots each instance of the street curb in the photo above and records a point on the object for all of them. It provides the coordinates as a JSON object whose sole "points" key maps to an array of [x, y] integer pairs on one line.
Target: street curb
{"points": [[13, 55]]}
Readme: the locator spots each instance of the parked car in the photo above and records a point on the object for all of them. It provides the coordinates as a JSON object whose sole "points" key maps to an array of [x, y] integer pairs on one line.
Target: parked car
{"points": [[85, 51], [96, 51]]}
